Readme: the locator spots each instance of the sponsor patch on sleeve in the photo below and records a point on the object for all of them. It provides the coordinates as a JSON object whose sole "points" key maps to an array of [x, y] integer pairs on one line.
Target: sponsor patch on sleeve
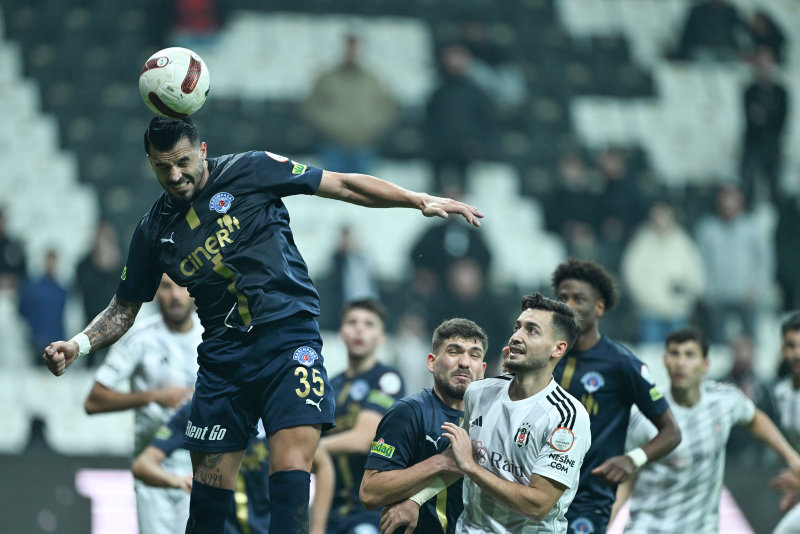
{"points": [[380, 398], [562, 439], [163, 432], [655, 394], [381, 449], [298, 168]]}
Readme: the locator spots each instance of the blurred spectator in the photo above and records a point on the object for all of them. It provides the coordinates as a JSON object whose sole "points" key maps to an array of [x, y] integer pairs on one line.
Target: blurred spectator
{"points": [[743, 448], [412, 337], [765, 109], [664, 272], [574, 199], [42, 302], [458, 121], [714, 30], [493, 68], [738, 263], [350, 278], [13, 267], [351, 111], [764, 32], [623, 201], [443, 244], [466, 294], [787, 250], [97, 275]]}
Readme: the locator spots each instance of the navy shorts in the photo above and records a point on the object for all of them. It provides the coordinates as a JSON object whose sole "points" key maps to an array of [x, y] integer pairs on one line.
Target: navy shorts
{"points": [[275, 372]]}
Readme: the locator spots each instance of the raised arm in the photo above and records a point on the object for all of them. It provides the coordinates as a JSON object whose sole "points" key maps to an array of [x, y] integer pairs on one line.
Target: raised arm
{"points": [[765, 430], [372, 192], [110, 325]]}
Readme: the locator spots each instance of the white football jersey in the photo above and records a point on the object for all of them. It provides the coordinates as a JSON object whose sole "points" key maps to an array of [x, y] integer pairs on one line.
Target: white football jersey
{"points": [[680, 492], [547, 434], [151, 357]]}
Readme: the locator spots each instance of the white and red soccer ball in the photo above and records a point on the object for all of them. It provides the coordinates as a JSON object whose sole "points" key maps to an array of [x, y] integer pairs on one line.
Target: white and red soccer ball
{"points": [[174, 82]]}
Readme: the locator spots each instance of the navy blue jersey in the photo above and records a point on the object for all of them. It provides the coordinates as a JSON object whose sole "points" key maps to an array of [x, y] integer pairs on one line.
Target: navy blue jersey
{"points": [[608, 379], [251, 509], [377, 390], [408, 434], [231, 247]]}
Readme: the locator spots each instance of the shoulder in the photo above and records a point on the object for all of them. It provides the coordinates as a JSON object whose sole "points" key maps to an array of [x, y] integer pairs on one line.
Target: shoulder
{"points": [[387, 379], [143, 331], [566, 407]]}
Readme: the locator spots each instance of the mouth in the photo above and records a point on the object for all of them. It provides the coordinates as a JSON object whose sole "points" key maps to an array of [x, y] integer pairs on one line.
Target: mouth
{"points": [[516, 349]]}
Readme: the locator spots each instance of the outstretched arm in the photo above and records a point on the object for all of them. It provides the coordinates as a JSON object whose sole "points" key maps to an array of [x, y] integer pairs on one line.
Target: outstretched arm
{"points": [[103, 399], [147, 468], [372, 192], [110, 325]]}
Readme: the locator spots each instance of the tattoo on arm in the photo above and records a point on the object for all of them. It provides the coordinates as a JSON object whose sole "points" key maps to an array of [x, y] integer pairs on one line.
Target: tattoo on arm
{"points": [[112, 323]]}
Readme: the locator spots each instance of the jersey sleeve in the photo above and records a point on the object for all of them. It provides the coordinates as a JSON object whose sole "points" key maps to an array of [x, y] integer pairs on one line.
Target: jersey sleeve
{"points": [[643, 390], [283, 177], [561, 455], [640, 430], [142, 272], [388, 389], [169, 437], [119, 365], [397, 434], [742, 408]]}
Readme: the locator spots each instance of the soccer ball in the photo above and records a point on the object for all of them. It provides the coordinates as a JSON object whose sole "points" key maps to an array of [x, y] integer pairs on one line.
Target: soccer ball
{"points": [[174, 82]]}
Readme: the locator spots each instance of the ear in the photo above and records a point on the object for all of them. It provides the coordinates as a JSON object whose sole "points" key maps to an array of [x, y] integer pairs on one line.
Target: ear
{"points": [[559, 350], [483, 370], [203, 150], [600, 308], [431, 359]]}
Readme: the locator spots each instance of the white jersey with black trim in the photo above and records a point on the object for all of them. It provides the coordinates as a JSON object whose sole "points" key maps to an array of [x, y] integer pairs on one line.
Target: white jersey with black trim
{"points": [[680, 492], [152, 357], [547, 434]]}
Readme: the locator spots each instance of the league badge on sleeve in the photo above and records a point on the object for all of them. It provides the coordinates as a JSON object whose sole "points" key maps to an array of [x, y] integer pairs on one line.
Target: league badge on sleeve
{"points": [[562, 439], [306, 355], [592, 381], [221, 202]]}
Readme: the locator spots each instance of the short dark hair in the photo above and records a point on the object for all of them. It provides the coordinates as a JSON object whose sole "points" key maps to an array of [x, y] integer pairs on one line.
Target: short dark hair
{"points": [[565, 321], [371, 305], [165, 132], [689, 333], [791, 323], [460, 328], [590, 272]]}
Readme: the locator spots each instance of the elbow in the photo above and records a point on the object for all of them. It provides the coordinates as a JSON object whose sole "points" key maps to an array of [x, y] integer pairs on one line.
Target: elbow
{"points": [[137, 469], [369, 500], [538, 514], [675, 437], [90, 407]]}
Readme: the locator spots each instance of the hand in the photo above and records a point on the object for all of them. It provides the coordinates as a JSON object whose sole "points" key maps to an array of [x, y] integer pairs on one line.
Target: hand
{"points": [[441, 207], [172, 397], [615, 470], [447, 462], [506, 352], [402, 514], [184, 483], [59, 355], [786, 481], [461, 444], [788, 501]]}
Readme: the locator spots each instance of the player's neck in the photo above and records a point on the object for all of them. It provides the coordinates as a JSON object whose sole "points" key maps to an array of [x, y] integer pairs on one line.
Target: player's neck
{"points": [[525, 385], [450, 402], [587, 339], [685, 397], [357, 365]]}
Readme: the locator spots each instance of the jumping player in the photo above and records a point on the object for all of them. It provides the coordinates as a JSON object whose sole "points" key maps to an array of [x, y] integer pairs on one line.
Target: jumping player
{"points": [[221, 230]]}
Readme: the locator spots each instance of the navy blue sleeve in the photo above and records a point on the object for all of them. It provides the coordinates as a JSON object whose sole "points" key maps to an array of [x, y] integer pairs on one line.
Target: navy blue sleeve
{"points": [[389, 388], [283, 177], [169, 437], [644, 393], [397, 435], [142, 272]]}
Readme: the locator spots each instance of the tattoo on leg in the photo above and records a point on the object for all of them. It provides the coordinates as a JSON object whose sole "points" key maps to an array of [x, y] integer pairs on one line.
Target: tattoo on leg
{"points": [[208, 471]]}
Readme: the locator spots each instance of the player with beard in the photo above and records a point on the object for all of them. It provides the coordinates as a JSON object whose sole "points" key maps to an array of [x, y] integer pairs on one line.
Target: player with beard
{"points": [[364, 393], [405, 455], [523, 439], [158, 363]]}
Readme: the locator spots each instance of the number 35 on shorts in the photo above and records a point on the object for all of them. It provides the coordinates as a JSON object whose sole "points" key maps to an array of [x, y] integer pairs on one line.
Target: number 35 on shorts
{"points": [[305, 386]]}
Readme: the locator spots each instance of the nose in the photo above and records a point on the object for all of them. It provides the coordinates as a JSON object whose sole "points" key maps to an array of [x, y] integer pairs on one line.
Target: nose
{"points": [[463, 360], [174, 173]]}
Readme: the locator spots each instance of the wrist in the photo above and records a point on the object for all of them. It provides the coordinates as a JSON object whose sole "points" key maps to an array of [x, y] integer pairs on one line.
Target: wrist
{"points": [[83, 343], [638, 456]]}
